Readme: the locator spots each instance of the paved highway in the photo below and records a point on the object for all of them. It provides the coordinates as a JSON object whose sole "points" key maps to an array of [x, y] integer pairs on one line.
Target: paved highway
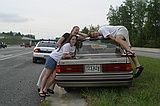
{"points": [[18, 77], [147, 52]]}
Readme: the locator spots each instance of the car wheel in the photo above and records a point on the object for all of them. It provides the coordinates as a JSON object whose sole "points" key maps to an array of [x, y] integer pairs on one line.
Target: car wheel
{"points": [[34, 60]]}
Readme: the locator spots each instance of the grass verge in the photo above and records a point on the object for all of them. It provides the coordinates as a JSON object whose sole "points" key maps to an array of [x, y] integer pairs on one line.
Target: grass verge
{"points": [[145, 90], [46, 103], [13, 40]]}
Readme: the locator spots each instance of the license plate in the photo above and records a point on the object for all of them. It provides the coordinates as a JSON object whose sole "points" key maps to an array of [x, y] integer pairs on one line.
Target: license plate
{"points": [[92, 68]]}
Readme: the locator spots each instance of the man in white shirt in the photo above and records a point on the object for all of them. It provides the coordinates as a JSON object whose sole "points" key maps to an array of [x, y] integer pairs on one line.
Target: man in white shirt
{"points": [[120, 35]]}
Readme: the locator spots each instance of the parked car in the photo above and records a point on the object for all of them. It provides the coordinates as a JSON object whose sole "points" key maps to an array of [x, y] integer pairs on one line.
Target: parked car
{"points": [[96, 64], [3, 45], [43, 49]]}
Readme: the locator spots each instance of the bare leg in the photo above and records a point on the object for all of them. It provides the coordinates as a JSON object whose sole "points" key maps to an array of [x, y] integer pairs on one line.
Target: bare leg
{"points": [[135, 60], [51, 81], [45, 79], [124, 45], [40, 77], [119, 39]]}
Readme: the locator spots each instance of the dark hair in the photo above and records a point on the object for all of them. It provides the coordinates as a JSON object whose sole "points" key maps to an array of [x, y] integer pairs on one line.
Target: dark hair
{"points": [[74, 28], [68, 41], [68, 35]]}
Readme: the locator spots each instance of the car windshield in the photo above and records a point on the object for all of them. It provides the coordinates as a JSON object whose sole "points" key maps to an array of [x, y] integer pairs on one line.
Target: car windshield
{"points": [[47, 44], [96, 47]]}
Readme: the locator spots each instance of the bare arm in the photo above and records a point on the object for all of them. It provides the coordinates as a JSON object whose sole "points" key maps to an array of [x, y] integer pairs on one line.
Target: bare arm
{"points": [[82, 35], [71, 53], [66, 56]]}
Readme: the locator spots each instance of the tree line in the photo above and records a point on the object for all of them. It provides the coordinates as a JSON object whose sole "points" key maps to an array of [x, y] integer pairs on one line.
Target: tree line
{"points": [[18, 34], [141, 17]]}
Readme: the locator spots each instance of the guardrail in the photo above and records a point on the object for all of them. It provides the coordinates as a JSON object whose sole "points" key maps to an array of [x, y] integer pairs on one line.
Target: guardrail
{"points": [[154, 50]]}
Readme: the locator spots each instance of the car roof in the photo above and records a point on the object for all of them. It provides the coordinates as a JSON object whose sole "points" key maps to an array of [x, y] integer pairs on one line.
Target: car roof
{"points": [[48, 41]]}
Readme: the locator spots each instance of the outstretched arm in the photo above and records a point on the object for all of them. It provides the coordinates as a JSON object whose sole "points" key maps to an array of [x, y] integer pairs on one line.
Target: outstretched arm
{"points": [[82, 35], [66, 56]]}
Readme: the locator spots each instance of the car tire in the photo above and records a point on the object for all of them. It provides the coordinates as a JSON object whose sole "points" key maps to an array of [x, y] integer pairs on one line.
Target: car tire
{"points": [[34, 60]]}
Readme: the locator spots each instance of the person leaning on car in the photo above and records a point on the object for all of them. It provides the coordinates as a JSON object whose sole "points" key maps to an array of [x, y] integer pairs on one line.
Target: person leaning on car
{"points": [[51, 63], [74, 31], [61, 41], [120, 35]]}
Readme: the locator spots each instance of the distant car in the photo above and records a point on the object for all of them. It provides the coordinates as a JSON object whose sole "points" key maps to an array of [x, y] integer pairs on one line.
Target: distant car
{"points": [[96, 64], [27, 45], [3, 45], [43, 49], [22, 44]]}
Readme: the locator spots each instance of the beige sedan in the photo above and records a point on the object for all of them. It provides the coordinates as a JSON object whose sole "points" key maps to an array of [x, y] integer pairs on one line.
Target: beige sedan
{"points": [[96, 64]]}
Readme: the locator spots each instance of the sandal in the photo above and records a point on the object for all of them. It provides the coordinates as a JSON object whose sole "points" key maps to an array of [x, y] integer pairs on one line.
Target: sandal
{"points": [[46, 93], [50, 91], [128, 54], [42, 94], [139, 71]]}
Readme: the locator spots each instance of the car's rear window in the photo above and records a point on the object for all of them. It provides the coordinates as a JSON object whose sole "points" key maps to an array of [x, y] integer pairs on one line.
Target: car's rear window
{"points": [[47, 44], [96, 47]]}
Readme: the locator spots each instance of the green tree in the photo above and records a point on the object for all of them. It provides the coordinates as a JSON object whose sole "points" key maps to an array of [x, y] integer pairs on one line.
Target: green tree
{"points": [[121, 15], [18, 34], [11, 33], [139, 17], [152, 26], [85, 30], [113, 16]]}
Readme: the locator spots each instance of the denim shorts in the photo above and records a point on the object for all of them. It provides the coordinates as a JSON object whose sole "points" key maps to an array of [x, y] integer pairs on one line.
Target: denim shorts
{"points": [[50, 63]]}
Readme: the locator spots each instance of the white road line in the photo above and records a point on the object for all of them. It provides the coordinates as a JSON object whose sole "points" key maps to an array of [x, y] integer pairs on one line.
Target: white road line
{"points": [[12, 56], [2, 56]]}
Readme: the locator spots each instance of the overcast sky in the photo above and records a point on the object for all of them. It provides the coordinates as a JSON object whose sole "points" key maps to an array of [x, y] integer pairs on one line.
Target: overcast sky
{"points": [[51, 18]]}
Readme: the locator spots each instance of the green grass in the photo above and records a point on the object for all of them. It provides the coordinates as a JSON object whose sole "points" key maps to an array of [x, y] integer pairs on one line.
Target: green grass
{"points": [[45, 103], [12, 39], [145, 90]]}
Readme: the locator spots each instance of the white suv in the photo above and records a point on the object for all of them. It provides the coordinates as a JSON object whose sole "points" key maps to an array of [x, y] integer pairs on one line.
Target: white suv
{"points": [[43, 50]]}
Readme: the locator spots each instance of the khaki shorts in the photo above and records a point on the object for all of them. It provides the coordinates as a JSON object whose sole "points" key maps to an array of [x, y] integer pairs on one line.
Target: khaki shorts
{"points": [[124, 32]]}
